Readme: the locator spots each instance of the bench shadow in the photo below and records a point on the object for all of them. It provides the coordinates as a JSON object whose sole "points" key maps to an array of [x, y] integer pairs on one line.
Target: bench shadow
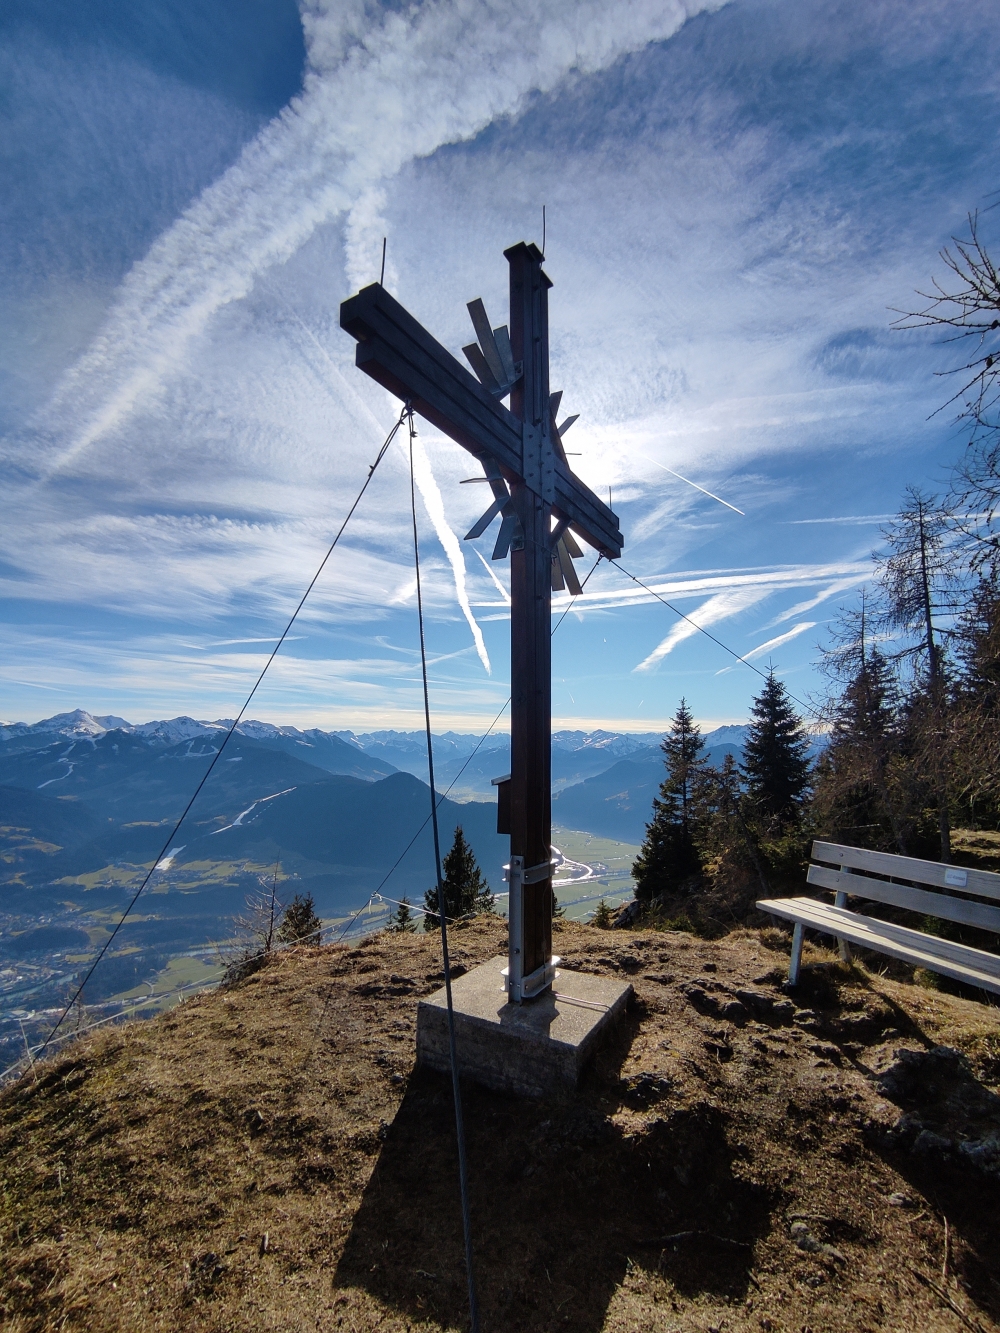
{"points": [[563, 1204]]}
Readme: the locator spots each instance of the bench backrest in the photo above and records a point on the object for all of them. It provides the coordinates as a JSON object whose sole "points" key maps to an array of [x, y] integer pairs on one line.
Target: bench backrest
{"points": [[957, 904]]}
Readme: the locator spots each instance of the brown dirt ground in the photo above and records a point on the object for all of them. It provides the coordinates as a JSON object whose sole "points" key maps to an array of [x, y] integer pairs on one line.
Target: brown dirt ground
{"points": [[268, 1158]]}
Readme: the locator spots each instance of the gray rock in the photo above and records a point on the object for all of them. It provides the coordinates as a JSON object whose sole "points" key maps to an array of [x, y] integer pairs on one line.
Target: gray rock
{"points": [[923, 1075], [758, 1000], [627, 915], [806, 1241], [711, 998], [645, 1089], [929, 1144], [983, 1154], [807, 1019]]}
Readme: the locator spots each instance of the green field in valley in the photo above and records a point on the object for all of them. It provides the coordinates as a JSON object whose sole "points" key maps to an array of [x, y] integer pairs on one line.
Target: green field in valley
{"points": [[610, 861]]}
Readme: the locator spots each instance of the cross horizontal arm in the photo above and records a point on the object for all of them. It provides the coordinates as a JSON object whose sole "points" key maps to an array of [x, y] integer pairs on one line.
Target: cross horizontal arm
{"points": [[398, 353]]}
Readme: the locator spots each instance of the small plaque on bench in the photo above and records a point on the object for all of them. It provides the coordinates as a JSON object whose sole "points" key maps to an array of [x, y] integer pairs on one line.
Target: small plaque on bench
{"points": [[956, 879]]}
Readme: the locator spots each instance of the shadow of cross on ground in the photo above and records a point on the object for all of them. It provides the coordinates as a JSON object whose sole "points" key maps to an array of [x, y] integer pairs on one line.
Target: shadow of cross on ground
{"points": [[564, 1204]]}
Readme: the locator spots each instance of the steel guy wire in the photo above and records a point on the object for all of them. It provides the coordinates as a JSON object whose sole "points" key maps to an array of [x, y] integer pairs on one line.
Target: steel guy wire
{"points": [[724, 646], [475, 751], [463, 1172], [173, 833]]}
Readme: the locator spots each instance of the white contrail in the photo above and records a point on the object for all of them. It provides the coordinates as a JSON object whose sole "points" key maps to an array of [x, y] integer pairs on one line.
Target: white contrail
{"points": [[430, 493], [492, 573], [776, 579], [763, 648], [375, 97], [842, 585], [793, 633], [689, 482], [715, 609], [853, 518]]}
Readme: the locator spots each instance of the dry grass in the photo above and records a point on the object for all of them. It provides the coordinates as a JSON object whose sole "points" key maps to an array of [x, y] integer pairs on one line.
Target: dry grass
{"points": [[143, 1171]]}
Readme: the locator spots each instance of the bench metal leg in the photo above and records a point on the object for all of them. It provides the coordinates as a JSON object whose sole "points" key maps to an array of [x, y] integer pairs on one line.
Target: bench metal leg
{"points": [[793, 967], [845, 949]]}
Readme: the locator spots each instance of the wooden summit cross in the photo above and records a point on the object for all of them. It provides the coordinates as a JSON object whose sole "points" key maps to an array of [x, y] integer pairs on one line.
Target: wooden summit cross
{"points": [[540, 502]]}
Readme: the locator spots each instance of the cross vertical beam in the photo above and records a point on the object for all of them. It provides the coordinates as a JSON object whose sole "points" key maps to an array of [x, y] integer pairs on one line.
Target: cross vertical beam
{"points": [[519, 448], [531, 601]]}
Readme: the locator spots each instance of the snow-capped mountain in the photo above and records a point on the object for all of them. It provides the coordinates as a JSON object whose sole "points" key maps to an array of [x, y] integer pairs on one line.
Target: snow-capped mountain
{"points": [[729, 735], [77, 724], [615, 744], [464, 762], [175, 730]]}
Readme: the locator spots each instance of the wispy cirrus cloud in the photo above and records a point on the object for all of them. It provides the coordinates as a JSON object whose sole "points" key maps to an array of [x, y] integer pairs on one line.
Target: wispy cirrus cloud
{"points": [[771, 644], [717, 608], [375, 97]]}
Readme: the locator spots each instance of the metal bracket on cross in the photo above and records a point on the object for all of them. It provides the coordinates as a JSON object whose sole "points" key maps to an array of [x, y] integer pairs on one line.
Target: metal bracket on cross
{"points": [[518, 986], [511, 533]]}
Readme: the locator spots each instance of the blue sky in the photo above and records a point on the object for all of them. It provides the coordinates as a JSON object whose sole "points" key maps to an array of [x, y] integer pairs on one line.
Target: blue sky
{"points": [[736, 196]]}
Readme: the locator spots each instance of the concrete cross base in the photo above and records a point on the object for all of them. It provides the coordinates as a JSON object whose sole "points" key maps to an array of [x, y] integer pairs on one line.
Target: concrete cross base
{"points": [[532, 1049]]}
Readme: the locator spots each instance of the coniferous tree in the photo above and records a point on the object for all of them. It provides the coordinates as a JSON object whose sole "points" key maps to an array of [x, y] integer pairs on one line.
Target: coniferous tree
{"points": [[975, 754], [862, 782], [602, 916], [669, 853], [864, 789], [726, 839], [300, 924], [401, 922], [917, 575], [466, 892], [775, 767]]}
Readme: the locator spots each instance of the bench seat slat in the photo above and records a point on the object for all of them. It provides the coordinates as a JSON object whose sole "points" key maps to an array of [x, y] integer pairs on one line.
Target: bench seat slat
{"points": [[972, 966], [905, 935], [983, 883], [901, 895]]}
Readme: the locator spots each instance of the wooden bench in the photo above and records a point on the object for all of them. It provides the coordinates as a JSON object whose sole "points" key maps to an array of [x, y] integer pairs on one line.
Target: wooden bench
{"points": [[851, 871]]}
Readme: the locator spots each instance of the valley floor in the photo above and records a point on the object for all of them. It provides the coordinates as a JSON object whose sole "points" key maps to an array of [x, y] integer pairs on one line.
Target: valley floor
{"points": [[267, 1157]]}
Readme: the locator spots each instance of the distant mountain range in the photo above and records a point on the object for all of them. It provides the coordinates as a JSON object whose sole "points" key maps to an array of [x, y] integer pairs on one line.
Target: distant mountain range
{"points": [[130, 777], [87, 802], [324, 749], [603, 782]]}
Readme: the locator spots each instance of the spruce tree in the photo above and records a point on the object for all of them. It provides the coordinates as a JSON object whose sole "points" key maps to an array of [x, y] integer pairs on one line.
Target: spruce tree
{"points": [[300, 924], [975, 751], [860, 790], [466, 892], [602, 917], [401, 922], [775, 764], [668, 855]]}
